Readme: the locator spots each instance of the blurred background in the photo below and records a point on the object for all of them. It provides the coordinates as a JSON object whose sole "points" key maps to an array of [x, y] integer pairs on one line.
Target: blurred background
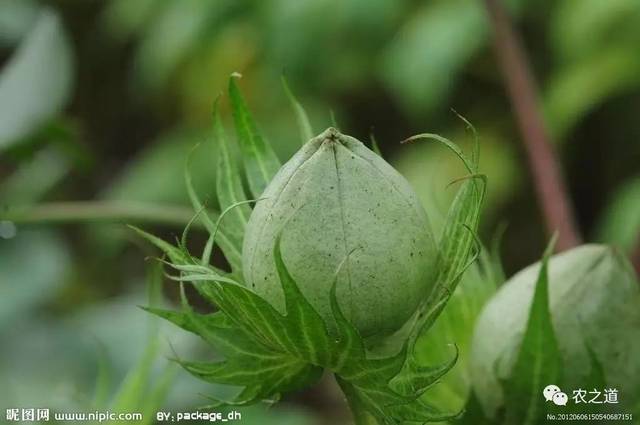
{"points": [[100, 102]]}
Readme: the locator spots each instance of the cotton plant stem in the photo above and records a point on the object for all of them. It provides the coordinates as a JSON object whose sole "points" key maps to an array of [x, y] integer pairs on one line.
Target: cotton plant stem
{"points": [[100, 211], [548, 180]]}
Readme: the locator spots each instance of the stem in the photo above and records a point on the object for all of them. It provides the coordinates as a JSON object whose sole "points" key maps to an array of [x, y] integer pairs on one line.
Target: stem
{"points": [[100, 211], [549, 183], [360, 416]]}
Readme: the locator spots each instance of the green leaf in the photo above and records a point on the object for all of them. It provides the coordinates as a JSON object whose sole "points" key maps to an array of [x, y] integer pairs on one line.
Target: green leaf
{"points": [[473, 413], [175, 254], [266, 352], [16, 18], [576, 89], [269, 352], [123, 18], [422, 81], [33, 266], [374, 144], [310, 337], [232, 251], [387, 389], [141, 181], [139, 391], [416, 379], [29, 183], [167, 36], [103, 380], [538, 363], [260, 161], [229, 187], [580, 28], [620, 222], [349, 341], [36, 82], [304, 126], [458, 239], [216, 329], [447, 34], [456, 325], [131, 394], [154, 400], [392, 393]]}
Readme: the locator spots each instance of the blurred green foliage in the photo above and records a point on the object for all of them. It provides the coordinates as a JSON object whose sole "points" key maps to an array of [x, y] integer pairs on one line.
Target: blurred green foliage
{"points": [[103, 101]]}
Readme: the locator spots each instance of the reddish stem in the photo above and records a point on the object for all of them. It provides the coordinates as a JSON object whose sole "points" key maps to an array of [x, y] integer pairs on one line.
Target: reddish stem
{"points": [[549, 182]]}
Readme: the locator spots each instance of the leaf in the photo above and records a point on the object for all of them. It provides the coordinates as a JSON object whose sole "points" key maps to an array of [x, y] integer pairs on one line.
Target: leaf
{"points": [[266, 352], [580, 28], [36, 82], [576, 89], [103, 380], [538, 362], [392, 393], [374, 144], [141, 181], [154, 400], [16, 18], [123, 18], [33, 266], [310, 335], [229, 187], [168, 34], [380, 387], [29, 183], [304, 126], [473, 414], [456, 325], [269, 353], [349, 341], [175, 254], [260, 161], [619, 225], [131, 394], [216, 329], [416, 379], [491, 263], [458, 239], [447, 34], [232, 251], [429, 169]]}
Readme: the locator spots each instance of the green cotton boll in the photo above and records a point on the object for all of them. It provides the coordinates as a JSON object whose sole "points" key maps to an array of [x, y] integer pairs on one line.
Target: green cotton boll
{"points": [[336, 201], [594, 300]]}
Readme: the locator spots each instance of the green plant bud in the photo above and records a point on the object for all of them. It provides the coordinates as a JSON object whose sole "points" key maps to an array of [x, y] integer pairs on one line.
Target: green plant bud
{"points": [[594, 301], [336, 201]]}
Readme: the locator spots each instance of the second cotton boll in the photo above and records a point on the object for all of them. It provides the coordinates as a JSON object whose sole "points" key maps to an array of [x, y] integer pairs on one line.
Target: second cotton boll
{"points": [[593, 301], [336, 202]]}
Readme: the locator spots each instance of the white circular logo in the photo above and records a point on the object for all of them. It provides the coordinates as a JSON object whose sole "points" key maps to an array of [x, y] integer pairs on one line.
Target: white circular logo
{"points": [[549, 391]]}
